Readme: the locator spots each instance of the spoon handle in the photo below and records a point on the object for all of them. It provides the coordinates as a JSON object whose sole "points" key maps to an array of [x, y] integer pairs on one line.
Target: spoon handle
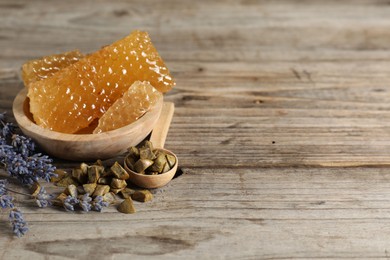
{"points": [[160, 131]]}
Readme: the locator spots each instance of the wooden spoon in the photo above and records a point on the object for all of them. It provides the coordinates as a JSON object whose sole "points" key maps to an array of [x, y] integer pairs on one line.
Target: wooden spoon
{"points": [[157, 138]]}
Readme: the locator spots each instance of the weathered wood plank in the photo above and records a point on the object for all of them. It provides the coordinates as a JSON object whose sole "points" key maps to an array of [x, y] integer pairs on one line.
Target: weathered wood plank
{"points": [[281, 213], [269, 95]]}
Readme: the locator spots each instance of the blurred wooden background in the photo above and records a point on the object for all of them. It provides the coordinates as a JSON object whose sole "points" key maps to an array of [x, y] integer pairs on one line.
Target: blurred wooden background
{"points": [[282, 128]]}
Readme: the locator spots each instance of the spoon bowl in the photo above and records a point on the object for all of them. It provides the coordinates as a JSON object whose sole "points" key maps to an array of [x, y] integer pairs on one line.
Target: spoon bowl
{"points": [[152, 181], [157, 138], [84, 147]]}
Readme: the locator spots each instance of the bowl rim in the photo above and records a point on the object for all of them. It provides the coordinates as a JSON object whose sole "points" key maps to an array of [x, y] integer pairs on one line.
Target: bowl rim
{"points": [[152, 176], [151, 181], [24, 122]]}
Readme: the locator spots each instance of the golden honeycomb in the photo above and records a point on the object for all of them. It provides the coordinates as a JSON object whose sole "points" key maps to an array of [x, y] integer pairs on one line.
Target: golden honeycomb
{"points": [[139, 99], [75, 96], [35, 70]]}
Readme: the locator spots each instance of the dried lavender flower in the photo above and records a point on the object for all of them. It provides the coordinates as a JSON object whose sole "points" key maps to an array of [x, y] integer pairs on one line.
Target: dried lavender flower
{"points": [[41, 166], [28, 169], [5, 151], [23, 145], [19, 225], [8, 129], [70, 202], [5, 199], [17, 154], [98, 203], [43, 199], [85, 202], [19, 158], [3, 184]]}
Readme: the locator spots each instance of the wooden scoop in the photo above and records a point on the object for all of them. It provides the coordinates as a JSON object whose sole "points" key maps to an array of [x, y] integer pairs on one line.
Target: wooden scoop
{"points": [[157, 138]]}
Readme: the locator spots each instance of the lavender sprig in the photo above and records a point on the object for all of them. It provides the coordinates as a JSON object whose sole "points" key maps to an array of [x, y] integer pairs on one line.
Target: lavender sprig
{"points": [[17, 154], [43, 199], [23, 145], [98, 203], [5, 199], [85, 202], [27, 169], [3, 188], [19, 225], [8, 129], [70, 202], [20, 160]]}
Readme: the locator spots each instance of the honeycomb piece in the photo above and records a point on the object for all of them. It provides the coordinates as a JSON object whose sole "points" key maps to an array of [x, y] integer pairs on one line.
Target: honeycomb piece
{"points": [[140, 98], [72, 98], [35, 70]]}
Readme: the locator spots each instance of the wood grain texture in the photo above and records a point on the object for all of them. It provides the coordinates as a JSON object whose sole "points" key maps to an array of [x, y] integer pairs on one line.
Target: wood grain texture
{"points": [[160, 131], [273, 100]]}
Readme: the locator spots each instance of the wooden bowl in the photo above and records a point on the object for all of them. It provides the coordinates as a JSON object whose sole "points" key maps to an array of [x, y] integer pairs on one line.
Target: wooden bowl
{"points": [[152, 181], [84, 147]]}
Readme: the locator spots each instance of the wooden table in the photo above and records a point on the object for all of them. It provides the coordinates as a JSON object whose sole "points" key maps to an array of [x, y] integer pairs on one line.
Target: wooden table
{"points": [[282, 129]]}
